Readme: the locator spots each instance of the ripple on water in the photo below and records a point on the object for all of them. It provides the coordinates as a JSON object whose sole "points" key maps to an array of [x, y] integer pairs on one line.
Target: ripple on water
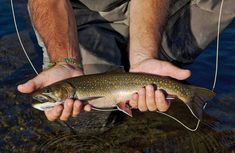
{"points": [[146, 134]]}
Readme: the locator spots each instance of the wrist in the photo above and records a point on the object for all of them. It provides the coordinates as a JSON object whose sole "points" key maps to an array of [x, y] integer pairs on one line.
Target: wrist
{"points": [[140, 56], [69, 62], [71, 67]]}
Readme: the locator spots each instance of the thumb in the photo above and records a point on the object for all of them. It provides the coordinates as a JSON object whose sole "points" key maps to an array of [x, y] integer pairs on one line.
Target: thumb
{"points": [[31, 85], [177, 73]]}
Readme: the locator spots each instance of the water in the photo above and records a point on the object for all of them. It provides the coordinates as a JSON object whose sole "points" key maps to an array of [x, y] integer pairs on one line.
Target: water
{"points": [[24, 129]]}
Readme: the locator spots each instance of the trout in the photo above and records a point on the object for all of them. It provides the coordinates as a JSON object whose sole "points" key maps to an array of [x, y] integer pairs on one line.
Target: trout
{"points": [[108, 90]]}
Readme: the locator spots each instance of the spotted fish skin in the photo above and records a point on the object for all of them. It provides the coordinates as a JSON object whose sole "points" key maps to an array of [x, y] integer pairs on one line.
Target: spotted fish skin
{"points": [[106, 90], [118, 87]]}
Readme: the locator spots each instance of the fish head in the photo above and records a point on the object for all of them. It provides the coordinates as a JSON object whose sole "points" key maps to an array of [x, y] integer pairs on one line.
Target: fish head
{"points": [[52, 95]]}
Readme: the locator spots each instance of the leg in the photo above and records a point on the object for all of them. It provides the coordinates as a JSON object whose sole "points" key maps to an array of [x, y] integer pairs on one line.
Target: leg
{"points": [[190, 29], [103, 37]]}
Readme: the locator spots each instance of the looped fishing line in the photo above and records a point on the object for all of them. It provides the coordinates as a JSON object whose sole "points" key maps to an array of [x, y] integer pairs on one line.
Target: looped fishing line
{"points": [[215, 75], [19, 38], [217, 45]]}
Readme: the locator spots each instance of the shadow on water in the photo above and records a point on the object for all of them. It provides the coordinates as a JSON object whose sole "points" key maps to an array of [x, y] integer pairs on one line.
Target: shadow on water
{"points": [[24, 129]]}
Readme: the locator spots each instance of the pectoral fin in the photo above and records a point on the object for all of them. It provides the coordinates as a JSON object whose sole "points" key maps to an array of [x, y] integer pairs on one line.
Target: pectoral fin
{"points": [[90, 98], [124, 108]]}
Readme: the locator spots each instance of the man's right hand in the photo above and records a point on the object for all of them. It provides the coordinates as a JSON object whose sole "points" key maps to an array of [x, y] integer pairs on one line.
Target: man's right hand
{"points": [[147, 98], [59, 72]]}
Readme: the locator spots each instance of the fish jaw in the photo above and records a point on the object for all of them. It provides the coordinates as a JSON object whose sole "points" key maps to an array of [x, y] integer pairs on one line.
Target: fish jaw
{"points": [[45, 102], [46, 106]]}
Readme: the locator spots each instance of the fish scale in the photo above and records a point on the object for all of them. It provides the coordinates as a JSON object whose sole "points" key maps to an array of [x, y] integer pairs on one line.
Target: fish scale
{"points": [[109, 90]]}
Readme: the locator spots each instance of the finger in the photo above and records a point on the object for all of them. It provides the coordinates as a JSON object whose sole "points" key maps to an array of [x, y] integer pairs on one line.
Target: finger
{"points": [[31, 85], [77, 106], [87, 108], [54, 113], [27, 87], [150, 98], [141, 101], [134, 100], [162, 104], [68, 109], [176, 72]]}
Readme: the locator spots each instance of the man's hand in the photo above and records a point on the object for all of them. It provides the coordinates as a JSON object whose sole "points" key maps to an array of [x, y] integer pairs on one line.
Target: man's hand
{"points": [[59, 72], [147, 98]]}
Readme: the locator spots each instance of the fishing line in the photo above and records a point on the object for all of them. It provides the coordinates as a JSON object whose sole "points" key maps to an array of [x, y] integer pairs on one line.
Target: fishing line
{"points": [[216, 70], [185, 126], [217, 46], [19, 38]]}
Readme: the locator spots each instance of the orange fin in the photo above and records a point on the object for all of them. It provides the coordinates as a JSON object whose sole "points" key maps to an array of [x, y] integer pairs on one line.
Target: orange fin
{"points": [[124, 108]]}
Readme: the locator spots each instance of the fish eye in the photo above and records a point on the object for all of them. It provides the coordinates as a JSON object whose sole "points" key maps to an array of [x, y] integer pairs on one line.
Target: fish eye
{"points": [[47, 90]]}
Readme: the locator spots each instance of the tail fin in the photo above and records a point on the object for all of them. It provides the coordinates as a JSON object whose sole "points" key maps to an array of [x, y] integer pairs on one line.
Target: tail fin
{"points": [[201, 96]]}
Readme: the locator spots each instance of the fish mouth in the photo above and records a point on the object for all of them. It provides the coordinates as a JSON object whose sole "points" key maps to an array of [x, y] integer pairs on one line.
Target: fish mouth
{"points": [[43, 98], [44, 102]]}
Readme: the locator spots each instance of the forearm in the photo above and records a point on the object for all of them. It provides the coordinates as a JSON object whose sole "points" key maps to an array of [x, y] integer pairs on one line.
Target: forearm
{"points": [[146, 22], [55, 22]]}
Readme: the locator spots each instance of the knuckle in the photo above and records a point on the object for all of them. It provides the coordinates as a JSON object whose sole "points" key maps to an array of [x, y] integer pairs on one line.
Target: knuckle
{"points": [[163, 107], [63, 118], [143, 109], [51, 119], [152, 108], [76, 113], [67, 114], [50, 116]]}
